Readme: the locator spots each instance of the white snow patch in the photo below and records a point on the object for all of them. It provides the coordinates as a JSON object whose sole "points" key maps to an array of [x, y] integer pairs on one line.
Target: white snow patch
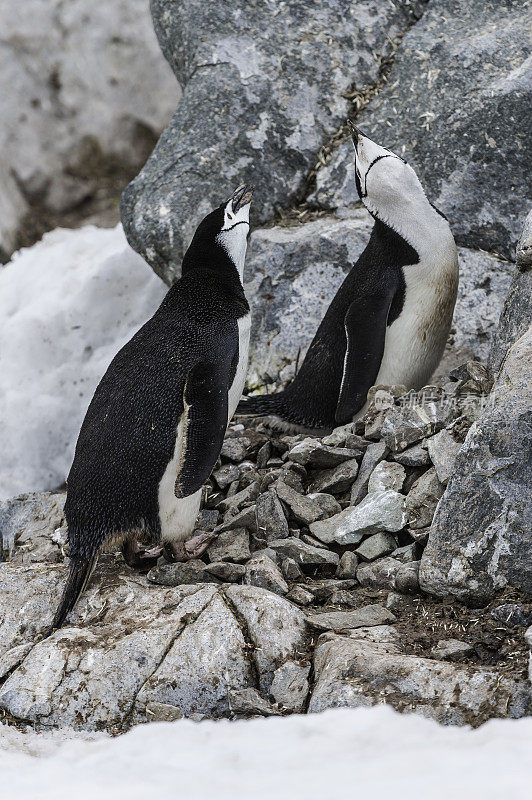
{"points": [[67, 305], [341, 754]]}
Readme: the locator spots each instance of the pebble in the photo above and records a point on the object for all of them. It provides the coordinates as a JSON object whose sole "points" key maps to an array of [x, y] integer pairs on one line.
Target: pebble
{"points": [[335, 480], [291, 569], [300, 596], [162, 712], [365, 616], [379, 574], [304, 554], [405, 425], [407, 578], [328, 504], [290, 686], [373, 455], [261, 571], [347, 565], [227, 571], [379, 511], [230, 545], [314, 454], [416, 456], [451, 650], [250, 703], [303, 509], [423, 498], [181, 572], [511, 614], [443, 449], [376, 546], [387, 475], [270, 517]]}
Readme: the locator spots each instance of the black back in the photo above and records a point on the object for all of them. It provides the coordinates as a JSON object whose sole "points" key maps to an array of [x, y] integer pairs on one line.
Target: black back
{"points": [[129, 432], [312, 397]]}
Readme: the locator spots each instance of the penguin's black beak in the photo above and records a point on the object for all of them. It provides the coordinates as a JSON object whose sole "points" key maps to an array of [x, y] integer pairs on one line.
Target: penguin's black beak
{"points": [[354, 131], [241, 196]]}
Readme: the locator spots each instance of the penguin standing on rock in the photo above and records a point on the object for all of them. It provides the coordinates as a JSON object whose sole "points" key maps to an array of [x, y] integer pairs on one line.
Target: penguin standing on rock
{"points": [[389, 321], [156, 424]]}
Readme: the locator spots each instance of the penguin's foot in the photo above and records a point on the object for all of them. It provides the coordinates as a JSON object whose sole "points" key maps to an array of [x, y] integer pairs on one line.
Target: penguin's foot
{"points": [[141, 558], [189, 549]]}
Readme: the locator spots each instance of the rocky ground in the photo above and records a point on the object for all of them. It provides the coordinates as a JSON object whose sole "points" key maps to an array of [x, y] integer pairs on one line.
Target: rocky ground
{"points": [[308, 598]]}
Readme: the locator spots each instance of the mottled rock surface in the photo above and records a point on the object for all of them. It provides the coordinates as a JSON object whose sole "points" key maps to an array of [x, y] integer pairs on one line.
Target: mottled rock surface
{"points": [[85, 92], [481, 540], [262, 92], [453, 106]]}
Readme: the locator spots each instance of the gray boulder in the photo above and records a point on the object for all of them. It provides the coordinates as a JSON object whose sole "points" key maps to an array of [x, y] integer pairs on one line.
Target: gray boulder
{"points": [[481, 540], [516, 316], [263, 89], [128, 647], [454, 105], [347, 669]]}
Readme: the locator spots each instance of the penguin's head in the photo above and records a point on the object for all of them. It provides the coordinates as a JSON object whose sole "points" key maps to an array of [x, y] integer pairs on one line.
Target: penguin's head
{"points": [[222, 236], [389, 187]]}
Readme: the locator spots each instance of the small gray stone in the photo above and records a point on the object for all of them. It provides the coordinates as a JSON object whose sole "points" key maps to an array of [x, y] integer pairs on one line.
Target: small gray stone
{"points": [[300, 596], [261, 571], [227, 571], [451, 650], [303, 553], [327, 503], [226, 475], [271, 520], [379, 574], [162, 712], [373, 455], [230, 545], [386, 475], [511, 614], [244, 496], [291, 570], [235, 448], [422, 499], [379, 511], [396, 602], [303, 509], [410, 423], [246, 518], [207, 519], [409, 552], [347, 565], [313, 454], [249, 702], [407, 578], [443, 449], [342, 597], [290, 686], [376, 546], [309, 539], [182, 572], [415, 456], [365, 616], [335, 480]]}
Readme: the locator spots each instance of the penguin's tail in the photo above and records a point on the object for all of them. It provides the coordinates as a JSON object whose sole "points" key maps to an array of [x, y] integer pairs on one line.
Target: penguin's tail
{"points": [[261, 405], [80, 574]]}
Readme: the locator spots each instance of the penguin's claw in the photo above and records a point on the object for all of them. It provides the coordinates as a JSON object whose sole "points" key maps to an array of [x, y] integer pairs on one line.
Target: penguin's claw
{"points": [[191, 548], [141, 558]]}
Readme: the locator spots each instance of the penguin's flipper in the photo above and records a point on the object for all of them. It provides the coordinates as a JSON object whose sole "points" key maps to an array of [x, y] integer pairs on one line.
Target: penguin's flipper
{"points": [[365, 328], [206, 409]]}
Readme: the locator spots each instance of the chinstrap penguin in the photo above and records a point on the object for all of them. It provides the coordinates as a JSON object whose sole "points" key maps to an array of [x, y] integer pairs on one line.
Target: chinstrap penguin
{"points": [[389, 321], [155, 426]]}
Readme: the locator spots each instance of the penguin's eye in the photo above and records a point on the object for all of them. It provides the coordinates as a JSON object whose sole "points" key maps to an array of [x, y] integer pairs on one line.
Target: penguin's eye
{"points": [[229, 215]]}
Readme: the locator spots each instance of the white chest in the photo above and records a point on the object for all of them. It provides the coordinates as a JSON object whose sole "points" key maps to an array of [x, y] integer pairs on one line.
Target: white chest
{"points": [[415, 341], [235, 391]]}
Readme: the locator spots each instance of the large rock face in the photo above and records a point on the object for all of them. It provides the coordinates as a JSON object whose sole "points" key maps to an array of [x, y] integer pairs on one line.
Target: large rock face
{"points": [[454, 106], [129, 646], [85, 91], [516, 316], [264, 89], [481, 540]]}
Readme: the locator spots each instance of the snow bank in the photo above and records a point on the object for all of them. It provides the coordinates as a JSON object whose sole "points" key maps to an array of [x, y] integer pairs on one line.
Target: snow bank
{"points": [[67, 305], [364, 753]]}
